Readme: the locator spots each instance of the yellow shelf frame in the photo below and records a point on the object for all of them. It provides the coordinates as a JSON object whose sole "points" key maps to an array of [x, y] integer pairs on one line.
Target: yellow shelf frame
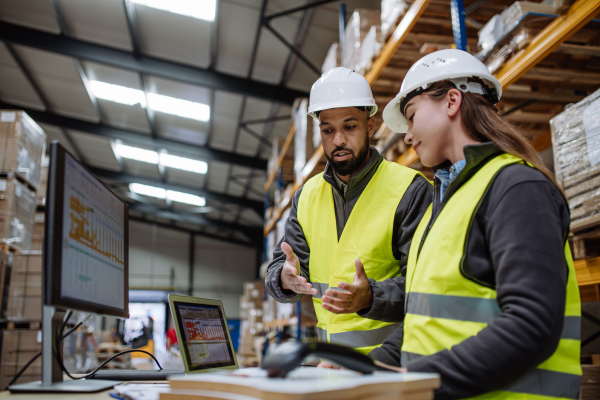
{"points": [[587, 271]]}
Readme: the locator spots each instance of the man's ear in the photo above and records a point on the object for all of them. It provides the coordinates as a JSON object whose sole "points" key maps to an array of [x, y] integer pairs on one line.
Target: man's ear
{"points": [[371, 126], [454, 100]]}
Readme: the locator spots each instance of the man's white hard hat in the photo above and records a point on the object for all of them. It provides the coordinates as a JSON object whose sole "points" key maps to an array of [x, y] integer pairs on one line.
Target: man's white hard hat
{"points": [[464, 70], [340, 87]]}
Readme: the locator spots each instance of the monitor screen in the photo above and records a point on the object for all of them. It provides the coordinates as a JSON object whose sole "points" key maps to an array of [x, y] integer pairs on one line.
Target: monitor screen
{"points": [[205, 335], [86, 254]]}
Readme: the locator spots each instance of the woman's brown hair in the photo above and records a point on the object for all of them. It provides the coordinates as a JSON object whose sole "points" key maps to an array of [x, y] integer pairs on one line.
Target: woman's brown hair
{"points": [[482, 123]]}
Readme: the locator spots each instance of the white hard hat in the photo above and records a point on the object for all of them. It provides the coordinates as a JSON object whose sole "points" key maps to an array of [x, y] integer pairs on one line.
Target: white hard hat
{"points": [[458, 66], [340, 87]]}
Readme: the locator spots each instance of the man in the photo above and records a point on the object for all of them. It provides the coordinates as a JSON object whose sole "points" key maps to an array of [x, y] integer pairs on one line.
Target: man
{"points": [[355, 220]]}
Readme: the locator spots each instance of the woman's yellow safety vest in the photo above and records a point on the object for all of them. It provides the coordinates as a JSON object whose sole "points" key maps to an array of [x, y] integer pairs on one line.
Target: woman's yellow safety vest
{"points": [[443, 308], [367, 235]]}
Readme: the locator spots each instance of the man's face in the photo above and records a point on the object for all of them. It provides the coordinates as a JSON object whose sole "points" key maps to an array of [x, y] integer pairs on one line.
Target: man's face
{"points": [[345, 135]]}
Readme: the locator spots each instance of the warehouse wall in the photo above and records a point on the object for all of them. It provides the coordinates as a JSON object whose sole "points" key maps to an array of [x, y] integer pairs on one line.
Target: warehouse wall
{"points": [[220, 268]]}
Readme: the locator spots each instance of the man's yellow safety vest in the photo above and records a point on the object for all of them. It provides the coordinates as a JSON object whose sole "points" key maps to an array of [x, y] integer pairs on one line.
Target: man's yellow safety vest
{"points": [[367, 235], [443, 308]]}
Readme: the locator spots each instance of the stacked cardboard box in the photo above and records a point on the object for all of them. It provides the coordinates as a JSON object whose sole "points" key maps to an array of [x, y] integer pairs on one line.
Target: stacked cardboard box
{"points": [[37, 238], [41, 191], [576, 146], [25, 287], [22, 144], [18, 347], [251, 314], [358, 27], [590, 382]]}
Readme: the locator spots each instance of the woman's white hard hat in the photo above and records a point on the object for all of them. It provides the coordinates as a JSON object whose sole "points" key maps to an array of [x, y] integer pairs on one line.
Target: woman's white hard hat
{"points": [[458, 66], [341, 87]]}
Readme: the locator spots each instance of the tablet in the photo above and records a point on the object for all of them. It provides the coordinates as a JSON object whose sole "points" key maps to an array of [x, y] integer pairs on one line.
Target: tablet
{"points": [[202, 333]]}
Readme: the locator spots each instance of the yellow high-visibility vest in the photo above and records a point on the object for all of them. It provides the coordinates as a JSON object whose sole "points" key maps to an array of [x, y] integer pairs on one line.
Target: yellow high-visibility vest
{"points": [[367, 235], [443, 308]]}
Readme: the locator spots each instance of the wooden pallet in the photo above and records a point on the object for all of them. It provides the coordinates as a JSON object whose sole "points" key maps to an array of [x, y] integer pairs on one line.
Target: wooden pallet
{"points": [[10, 174], [27, 325]]}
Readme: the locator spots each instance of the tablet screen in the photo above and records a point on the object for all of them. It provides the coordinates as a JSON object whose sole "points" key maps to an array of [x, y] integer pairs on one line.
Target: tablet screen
{"points": [[205, 335]]}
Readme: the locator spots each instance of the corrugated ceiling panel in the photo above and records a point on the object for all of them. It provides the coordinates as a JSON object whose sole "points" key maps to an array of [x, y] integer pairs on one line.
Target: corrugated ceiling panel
{"points": [[140, 168], [95, 150], [186, 178], [108, 74], [36, 14], [103, 22], [172, 36], [217, 176], [15, 88], [60, 83], [225, 119], [234, 47], [56, 133], [124, 116]]}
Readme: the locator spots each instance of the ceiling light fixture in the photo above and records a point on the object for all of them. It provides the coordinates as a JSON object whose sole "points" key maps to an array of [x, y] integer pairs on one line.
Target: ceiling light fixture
{"points": [[186, 164], [136, 153], [172, 195], [157, 102], [200, 9]]}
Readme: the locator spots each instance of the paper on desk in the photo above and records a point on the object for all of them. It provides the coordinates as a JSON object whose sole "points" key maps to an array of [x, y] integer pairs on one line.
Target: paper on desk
{"points": [[142, 391]]}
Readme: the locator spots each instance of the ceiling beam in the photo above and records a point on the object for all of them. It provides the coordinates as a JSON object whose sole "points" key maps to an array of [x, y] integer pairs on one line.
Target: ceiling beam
{"points": [[190, 231], [132, 137], [146, 65], [254, 234], [257, 206]]}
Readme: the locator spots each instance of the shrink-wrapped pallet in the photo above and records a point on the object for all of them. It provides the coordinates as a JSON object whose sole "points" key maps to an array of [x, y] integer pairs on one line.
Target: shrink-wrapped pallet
{"points": [[391, 11], [25, 287], [369, 50], [576, 146], [357, 29], [332, 59], [17, 210]]}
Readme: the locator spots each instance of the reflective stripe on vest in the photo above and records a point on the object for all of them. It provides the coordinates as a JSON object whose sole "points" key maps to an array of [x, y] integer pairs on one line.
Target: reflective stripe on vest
{"points": [[443, 308], [367, 235]]}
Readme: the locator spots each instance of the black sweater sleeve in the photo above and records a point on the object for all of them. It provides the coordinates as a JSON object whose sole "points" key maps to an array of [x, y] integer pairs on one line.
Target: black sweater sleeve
{"points": [[524, 221]]}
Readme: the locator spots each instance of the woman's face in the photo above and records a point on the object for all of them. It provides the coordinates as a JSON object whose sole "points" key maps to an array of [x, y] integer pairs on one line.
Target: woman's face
{"points": [[428, 128]]}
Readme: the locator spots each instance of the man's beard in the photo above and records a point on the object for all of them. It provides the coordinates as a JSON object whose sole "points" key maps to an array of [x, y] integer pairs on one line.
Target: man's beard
{"points": [[349, 166]]}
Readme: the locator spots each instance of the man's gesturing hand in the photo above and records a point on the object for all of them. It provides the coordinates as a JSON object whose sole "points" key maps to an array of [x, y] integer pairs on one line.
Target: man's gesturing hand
{"points": [[353, 298], [290, 273]]}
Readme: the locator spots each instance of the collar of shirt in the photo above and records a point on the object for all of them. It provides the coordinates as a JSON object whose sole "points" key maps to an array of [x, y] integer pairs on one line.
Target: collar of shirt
{"points": [[447, 175]]}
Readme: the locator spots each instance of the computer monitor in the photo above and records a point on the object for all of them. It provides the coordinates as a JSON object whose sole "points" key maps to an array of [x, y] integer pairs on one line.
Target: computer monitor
{"points": [[85, 261], [86, 258]]}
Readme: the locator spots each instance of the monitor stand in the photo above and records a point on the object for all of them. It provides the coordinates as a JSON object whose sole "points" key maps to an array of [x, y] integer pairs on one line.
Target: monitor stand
{"points": [[52, 375]]}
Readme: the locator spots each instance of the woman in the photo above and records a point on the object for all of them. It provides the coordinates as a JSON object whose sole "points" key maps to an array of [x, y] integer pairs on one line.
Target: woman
{"points": [[492, 302]]}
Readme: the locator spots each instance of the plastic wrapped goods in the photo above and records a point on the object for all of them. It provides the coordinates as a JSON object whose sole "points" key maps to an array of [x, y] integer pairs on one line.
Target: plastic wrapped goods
{"points": [[22, 144], [370, 48], [391, 11], [332, 59], [576, 145], [496, 58], [17, 211], [356, 30], [513, 14]]}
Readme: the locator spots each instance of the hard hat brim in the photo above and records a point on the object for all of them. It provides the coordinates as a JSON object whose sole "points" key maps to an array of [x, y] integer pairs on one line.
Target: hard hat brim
{"points": [[313, 109]]}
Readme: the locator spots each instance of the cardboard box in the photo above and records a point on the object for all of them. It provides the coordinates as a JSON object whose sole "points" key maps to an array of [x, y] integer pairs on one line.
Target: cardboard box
{"points": [[41, 192], [17, 210], [18, 347], [22, 144], [37, 238], [25, 287]]}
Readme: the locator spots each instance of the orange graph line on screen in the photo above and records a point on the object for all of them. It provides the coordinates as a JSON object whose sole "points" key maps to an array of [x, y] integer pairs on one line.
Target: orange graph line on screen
{"points": [[204, 331], [87, 233]]}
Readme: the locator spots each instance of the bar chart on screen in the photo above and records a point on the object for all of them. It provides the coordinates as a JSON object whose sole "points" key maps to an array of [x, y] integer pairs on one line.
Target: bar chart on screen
{"points": [[93, 239]]}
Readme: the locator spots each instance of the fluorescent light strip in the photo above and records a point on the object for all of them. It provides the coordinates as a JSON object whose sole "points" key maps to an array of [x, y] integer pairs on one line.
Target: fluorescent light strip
{"points": [[158, 102], [168, 160], [179, 107], [118, 94], [185, 164], [135, 153], [172, 195], [200, 9]]}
